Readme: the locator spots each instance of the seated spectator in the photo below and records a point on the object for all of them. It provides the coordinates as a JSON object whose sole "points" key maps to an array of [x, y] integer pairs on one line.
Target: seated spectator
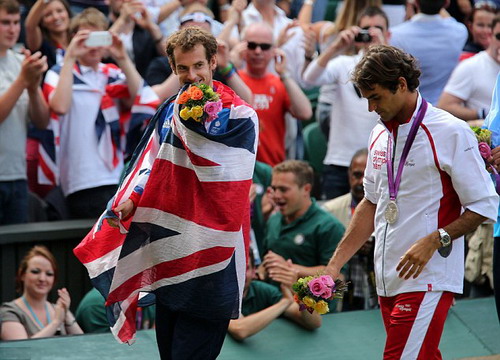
{"points": [[91, 314], [479, 26], [21, 100], [301, 233], [89, 98], [141, 37], [47, 29], [467, 94], [32, 315], [262, 303]]}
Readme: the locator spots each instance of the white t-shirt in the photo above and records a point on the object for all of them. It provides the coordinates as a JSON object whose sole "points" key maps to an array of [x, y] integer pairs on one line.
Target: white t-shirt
{"points": [[350, 121], [80, 165], [473, 81]]}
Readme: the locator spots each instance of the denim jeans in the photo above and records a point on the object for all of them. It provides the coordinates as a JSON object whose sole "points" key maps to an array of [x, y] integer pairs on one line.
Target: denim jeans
{"points": [[13, 202], [335, 181]]}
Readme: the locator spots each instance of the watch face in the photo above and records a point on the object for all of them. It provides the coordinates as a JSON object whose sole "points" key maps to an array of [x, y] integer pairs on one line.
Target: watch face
{"points": [[445, 240]]}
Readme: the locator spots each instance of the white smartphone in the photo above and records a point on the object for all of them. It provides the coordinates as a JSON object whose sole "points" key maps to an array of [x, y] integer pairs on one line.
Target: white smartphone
{"points": [[99, 38]]}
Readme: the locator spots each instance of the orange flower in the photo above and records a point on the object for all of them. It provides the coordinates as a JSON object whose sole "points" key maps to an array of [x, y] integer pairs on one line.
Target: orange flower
{"points": [[183, 98], [195, 93]]}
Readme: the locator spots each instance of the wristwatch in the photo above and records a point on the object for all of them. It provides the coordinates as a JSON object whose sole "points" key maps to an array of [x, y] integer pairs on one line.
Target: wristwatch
{"points": [[446, 243]]}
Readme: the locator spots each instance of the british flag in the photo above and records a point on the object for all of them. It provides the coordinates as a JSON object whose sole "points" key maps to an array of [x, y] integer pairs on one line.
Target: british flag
{"points": [[186, 240], [117, 129]]}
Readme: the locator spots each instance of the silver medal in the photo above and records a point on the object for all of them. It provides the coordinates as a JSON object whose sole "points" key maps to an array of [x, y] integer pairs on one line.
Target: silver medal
{"points": [[391, 213]]}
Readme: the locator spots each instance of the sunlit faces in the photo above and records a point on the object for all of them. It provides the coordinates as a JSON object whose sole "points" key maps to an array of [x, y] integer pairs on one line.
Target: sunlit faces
{"points": [[481, 27], [258, 57], [10, 27], [384, 102], [192, 66], [55, 17], [356, 174], [291, 199], [39, 276]]}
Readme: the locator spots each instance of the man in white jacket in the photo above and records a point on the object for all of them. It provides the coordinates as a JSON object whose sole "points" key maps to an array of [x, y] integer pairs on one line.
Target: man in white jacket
{"points": [[421, 213]]}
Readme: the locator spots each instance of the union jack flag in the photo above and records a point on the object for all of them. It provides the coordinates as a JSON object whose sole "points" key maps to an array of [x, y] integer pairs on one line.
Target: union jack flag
{"points": [[187, 239]]}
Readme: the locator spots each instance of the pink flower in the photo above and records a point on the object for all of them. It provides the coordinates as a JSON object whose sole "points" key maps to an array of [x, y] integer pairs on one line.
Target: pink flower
{"points": [[484, 150], [212, 109], [319, 287]]}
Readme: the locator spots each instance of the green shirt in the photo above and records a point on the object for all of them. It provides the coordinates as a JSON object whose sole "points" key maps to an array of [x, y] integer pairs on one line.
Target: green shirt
{"points": [[262, 176], [260, 296], [91, 314], [308, 241]]}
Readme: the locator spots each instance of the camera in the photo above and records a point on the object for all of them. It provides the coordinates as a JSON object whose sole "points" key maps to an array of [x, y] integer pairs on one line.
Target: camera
{"points": [[363, 36]]}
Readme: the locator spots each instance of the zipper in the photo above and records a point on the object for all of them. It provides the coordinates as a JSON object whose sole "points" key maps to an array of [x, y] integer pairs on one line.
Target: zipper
{"points": [[387, 224]]}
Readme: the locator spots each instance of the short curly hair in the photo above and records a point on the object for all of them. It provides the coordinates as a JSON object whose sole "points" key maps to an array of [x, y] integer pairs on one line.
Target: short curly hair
{"points": [[304, 173], [384, 65], [186, 39]]}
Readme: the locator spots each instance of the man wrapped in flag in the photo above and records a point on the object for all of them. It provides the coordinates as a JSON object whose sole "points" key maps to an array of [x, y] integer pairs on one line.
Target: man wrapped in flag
{"points": [[177, 226]]}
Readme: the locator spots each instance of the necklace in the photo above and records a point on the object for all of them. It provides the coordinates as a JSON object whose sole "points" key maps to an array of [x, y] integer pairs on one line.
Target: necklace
{"points": [[33, 313]]}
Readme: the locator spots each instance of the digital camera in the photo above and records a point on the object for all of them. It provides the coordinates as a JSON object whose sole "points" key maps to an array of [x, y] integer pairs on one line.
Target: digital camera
{"points": [[363, 36]]}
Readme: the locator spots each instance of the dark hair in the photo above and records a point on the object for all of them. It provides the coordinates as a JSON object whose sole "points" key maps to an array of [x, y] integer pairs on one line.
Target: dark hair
{"points": [[38, 250], [372, 11], [303, 172], [186, 39], [10, 6], [384, 65], [431, 7], [357, 154]]}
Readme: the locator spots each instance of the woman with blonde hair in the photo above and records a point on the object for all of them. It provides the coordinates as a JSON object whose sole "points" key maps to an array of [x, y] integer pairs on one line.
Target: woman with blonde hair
{"points": [[32, 315]]}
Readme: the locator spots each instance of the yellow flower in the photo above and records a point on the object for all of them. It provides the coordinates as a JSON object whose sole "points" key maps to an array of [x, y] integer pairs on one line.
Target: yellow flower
{"points": [[308, 301], [197, 111], [186, 113], [321, 307]]}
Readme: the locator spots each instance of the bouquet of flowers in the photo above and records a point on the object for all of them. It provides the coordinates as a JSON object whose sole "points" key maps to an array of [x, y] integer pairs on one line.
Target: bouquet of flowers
{"points": [[483, 137], [200, 103], [312, 292]]}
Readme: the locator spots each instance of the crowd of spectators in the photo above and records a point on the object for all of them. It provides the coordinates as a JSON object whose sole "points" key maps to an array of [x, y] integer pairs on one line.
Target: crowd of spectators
{"points": [[72, 115]]}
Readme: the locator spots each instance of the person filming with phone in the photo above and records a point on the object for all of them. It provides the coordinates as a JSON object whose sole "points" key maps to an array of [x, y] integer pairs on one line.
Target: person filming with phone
{"points": [[350, 123], [88, 98]]}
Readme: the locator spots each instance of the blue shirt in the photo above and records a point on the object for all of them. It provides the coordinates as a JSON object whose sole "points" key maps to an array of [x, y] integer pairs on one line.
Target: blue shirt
{"points": [[437, 43]]}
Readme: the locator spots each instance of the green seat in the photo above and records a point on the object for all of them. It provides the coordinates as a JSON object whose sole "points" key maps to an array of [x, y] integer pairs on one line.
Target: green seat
{"points": [[314, 146], [331, 10]]}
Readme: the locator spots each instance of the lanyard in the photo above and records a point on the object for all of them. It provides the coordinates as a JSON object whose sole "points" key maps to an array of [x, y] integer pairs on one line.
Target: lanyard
{"points": [[34, 315], [394, 183]]}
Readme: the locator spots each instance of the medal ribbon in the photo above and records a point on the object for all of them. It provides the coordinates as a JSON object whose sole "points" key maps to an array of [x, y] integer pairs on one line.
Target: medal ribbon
{"points": [[394, 183]]}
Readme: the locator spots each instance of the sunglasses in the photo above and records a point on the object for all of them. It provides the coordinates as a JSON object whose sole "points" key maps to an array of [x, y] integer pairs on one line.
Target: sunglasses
{"points": [[264, 47], [378, 27]]}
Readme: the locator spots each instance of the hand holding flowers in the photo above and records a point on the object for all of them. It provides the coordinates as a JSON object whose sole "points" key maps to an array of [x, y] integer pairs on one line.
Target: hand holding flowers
{"points": [[312, 293], [483, 137]]}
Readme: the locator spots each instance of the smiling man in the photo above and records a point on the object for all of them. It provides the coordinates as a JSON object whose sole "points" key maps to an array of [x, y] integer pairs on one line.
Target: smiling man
{"points": [[418, 199], [301, 231], [184, 201]]}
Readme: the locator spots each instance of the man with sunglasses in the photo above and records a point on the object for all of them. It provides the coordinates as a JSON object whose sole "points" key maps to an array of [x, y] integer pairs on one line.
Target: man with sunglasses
{"points": [[467, 94], [350, 123], [273, 96]]}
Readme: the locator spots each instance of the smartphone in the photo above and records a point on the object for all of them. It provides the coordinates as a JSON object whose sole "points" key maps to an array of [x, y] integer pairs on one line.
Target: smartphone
{"points": [[99, 38]]}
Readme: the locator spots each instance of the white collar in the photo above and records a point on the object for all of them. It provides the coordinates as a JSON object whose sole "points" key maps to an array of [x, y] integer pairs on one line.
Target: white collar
{"points": [[425, 17]]}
